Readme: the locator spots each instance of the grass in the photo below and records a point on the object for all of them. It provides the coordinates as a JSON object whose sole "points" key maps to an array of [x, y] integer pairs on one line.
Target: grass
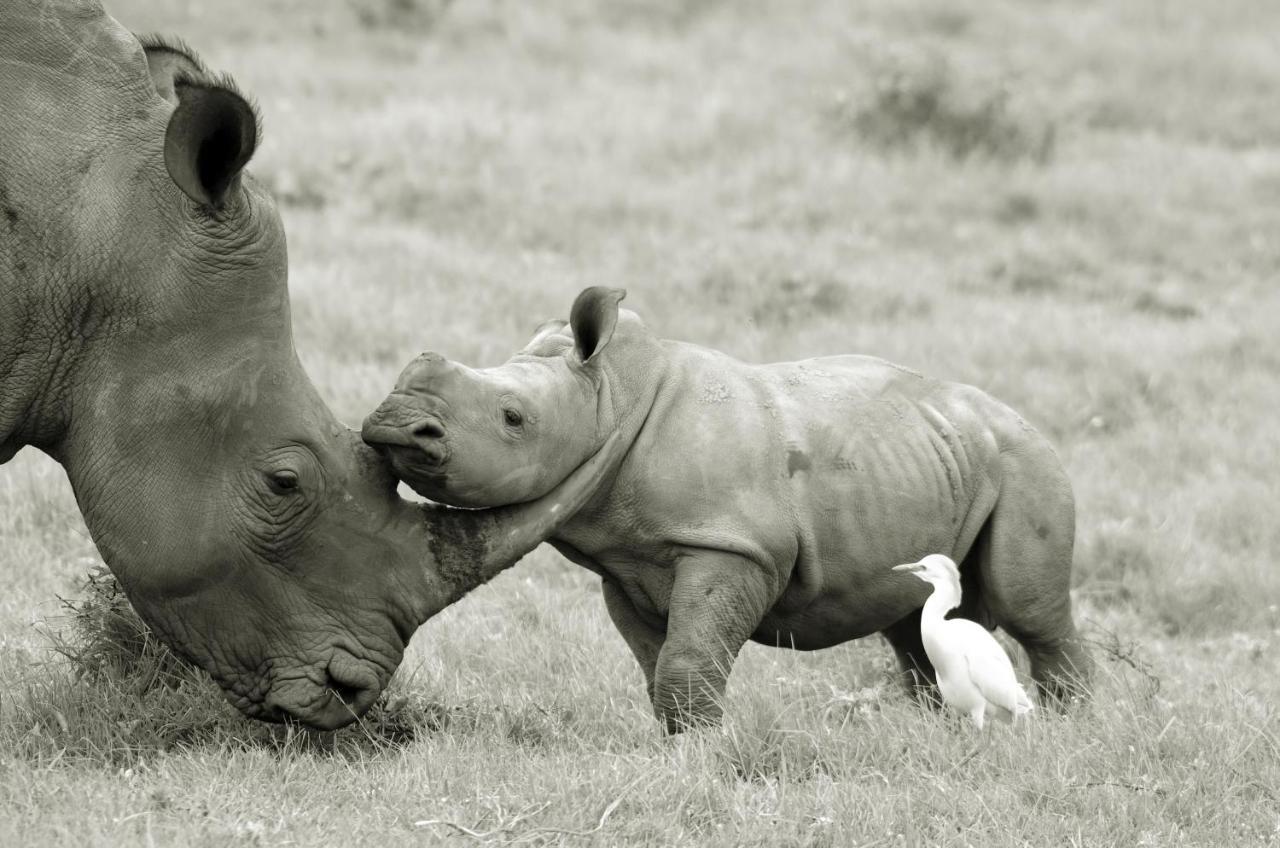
{"points": [[763, 178], [919, 99]]}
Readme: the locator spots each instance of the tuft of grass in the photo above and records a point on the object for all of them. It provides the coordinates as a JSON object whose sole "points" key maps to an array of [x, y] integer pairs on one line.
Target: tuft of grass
{"points": [[416, 16], [116, 694], [107, 639], [778, 300], [919, 99]]}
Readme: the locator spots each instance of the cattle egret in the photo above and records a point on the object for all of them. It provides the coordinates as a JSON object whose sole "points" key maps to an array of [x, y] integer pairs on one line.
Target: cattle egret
{"points": [[974, 672]]}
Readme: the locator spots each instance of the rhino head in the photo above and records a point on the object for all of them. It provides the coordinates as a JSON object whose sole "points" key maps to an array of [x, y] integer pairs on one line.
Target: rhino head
{"points": [[492, 436], [145, 344]]}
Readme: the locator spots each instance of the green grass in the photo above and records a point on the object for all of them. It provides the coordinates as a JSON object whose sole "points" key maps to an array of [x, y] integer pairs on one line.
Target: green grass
{"points": [[757, 178]]}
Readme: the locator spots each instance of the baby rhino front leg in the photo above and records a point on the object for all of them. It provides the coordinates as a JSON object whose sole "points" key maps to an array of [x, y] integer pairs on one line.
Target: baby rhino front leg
{"points": [[644, 640], [717, 601]]}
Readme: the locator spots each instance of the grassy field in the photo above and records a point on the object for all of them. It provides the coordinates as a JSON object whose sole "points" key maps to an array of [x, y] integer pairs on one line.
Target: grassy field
{"points": [[1073, 205]]}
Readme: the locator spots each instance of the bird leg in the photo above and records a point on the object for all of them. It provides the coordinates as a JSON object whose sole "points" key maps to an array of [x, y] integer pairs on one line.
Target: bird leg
{"points": [[984, 742]]}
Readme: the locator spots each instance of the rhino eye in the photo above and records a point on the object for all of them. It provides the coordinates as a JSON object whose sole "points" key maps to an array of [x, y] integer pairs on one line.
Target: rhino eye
{"points": [[282, 482], [512, 417]]}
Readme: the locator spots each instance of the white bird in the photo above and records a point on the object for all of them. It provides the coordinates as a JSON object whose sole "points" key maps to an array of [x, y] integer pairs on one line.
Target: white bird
{"points": [[974, 672]]}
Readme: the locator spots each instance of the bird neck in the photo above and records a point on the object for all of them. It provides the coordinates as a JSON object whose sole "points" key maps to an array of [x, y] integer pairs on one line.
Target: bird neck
{"points": [[944, 599]]}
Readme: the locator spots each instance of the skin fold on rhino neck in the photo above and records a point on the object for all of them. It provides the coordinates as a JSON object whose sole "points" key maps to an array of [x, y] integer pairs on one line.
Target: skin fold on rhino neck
{"points": [[623, 406], [58, 334], [51, 387], [68, 271]]}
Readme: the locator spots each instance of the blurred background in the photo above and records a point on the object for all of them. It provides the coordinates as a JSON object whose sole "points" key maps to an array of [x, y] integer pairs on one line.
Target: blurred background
{"points": [[1072, 204]]}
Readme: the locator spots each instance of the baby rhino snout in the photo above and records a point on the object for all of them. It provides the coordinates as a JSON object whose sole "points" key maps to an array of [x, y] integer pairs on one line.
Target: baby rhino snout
{"points": [[408, 433]]}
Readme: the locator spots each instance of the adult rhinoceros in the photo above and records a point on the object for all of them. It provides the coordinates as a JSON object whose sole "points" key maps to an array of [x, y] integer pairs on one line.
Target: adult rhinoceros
{"points": [[145, 344], [763, 502]]}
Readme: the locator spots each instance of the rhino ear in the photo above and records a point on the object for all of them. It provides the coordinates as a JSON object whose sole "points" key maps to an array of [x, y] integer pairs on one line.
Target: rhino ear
{"points": [[593, 318], [168, 59], [212, 134]]}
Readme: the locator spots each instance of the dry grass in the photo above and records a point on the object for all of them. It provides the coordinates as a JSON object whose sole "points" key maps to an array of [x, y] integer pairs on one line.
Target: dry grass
{"points": [[779, 181]]}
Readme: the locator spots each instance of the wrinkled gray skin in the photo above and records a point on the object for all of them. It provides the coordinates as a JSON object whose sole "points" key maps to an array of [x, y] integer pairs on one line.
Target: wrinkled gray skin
{"points": [[763, 502], [145, 344]]}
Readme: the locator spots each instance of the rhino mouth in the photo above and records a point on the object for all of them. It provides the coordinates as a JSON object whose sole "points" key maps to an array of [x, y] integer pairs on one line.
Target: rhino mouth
{"points": [[324, 698], [413, 464], [436, 484]]}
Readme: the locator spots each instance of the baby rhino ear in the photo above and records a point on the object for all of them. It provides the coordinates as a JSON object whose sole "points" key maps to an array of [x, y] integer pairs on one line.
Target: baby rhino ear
{"points": [[593, 317]]}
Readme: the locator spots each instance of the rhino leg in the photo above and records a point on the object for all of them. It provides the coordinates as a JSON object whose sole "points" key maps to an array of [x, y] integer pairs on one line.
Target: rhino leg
{"points": [[717, 600], [1024, 556], [917, 672], [644, 641]]}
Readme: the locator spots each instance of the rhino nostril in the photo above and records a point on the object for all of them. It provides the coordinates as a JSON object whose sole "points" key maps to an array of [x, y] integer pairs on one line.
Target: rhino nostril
{"points": [[348, 694], [353, 684], [428, 428]]}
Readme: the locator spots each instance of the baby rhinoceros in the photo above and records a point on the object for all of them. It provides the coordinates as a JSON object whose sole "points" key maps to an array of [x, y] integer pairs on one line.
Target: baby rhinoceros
{"points": [[763, 502]]}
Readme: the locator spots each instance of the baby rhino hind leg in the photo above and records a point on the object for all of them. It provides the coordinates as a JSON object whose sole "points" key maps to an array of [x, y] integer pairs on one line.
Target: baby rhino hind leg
{"points": [[1025, 561]]}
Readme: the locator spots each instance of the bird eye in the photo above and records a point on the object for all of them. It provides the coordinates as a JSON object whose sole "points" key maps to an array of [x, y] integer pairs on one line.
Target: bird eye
{"points": [[282, 482], [512, 417]]}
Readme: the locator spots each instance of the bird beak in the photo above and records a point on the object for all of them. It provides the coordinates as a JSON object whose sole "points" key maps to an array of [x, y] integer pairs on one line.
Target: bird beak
{"points": [[908, 566]]}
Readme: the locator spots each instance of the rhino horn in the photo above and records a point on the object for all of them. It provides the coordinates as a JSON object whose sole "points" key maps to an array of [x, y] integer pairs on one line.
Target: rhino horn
{"points": [[471, 547]]}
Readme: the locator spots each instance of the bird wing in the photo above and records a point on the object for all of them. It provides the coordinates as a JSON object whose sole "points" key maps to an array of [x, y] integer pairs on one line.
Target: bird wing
{"points": [[990, 668]]}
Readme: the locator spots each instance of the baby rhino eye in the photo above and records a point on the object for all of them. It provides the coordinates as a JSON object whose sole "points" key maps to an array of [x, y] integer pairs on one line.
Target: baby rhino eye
{"points": [[512, 417]]}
